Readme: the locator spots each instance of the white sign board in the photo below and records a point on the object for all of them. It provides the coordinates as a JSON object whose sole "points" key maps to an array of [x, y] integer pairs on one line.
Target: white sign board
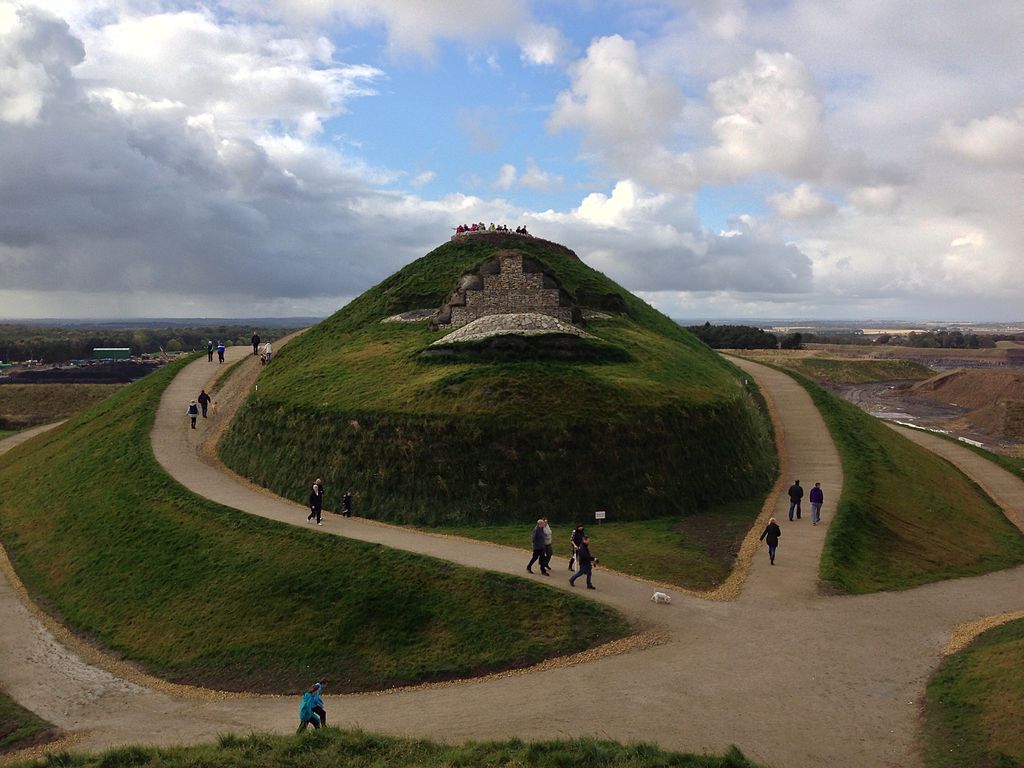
{"points": [[600, 514]]}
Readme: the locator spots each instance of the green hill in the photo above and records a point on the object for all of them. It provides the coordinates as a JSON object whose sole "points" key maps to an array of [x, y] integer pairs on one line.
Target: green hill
{"points": [[199, 593], [642, 420]]}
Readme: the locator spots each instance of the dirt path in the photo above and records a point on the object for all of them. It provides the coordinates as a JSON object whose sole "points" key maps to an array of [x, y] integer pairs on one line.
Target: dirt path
{"points": [[793, 678]]}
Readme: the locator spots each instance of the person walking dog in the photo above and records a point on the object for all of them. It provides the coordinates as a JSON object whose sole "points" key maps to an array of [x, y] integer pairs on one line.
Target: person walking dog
{"points": [[795, 494], [204, 401], [771, 532], [817, 498]]}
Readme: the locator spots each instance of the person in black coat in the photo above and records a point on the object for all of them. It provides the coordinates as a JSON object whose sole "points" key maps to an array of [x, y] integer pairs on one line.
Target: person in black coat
{"points": [[204, 401], [586, 561], [346, 504], [795, 494], [537, 540], [771, 532], [255, 343], [316, 503], [575, 542]]}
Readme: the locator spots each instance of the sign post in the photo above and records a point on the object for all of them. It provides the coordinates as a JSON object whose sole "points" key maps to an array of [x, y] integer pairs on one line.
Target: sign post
{"points": [[599, 515]]}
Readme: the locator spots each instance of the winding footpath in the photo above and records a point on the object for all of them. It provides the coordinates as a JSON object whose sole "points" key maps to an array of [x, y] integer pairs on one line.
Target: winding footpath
{"points": [[792, 677]]}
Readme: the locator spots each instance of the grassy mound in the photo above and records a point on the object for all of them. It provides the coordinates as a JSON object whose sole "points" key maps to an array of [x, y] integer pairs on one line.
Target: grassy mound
{"points": [[199, 593], [331, 748], [974, 704], [20, 728], [906, 517], [645, 421]]}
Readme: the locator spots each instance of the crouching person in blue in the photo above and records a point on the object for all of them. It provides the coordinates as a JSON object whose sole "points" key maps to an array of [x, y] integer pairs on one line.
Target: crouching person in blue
{"points": [[306, 714]]}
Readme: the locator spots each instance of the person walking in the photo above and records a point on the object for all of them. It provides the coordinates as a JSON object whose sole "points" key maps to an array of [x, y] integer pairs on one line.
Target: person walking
{"points": [[204, 401], [771, 532], [193, 412], [316, 503], [306, 714], [209, 351], [817, 498], [586, 561], [549, 551], [318, 702], [268, 350], [346, 504], [795, 494], [537, 540], [220, 351], [575, 541], [255, 342]]}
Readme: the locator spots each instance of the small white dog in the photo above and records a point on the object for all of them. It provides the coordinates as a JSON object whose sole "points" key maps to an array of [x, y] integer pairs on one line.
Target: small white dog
{"points": [[661, 597]]}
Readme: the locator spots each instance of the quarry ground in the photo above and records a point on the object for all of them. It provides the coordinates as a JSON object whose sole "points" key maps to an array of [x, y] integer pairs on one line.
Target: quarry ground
{"points": [[791, 676]]}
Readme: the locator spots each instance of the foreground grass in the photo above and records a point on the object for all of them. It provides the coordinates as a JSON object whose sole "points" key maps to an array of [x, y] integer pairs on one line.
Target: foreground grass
{"points": [[199, 593], [696, 552], [21, 728], [332, 748], [974, 705], [28, 405], [906, 517]]}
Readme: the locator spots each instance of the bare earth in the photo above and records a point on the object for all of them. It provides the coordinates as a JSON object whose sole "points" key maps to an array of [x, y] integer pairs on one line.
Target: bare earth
{"points": [[792, 677]]}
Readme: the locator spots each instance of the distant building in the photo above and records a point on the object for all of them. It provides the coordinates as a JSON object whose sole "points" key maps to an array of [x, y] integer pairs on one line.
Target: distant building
{"points": [[111, 353]]}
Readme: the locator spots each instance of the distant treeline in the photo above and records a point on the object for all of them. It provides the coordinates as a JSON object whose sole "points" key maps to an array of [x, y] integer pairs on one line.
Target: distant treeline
{"points": [[52, 344], [743, 337]]}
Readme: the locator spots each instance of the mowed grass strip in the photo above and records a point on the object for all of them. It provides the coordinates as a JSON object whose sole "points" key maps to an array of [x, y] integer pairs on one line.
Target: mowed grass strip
{"points": [[198, 593], [695, 552], [20, 728], [333, 748], [974, 705], [906, 517]]}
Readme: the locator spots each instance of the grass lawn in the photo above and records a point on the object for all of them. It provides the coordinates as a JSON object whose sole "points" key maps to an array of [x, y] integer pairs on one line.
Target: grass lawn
{"points": [[696, 552], [906, 517], [838, 371], [198, 593], [974, 705], [332, 748], [21, 728]]}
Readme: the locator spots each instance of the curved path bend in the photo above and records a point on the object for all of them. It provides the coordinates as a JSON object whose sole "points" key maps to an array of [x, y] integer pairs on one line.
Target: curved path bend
{"points": [[790, 676]]}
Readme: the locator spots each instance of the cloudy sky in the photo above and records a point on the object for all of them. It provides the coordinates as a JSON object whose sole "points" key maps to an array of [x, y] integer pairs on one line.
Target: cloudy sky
{"points": [[803, 159]]}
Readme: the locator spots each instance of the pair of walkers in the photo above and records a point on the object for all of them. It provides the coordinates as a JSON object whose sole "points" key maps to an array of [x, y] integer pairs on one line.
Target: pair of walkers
{"points": [[311, 710], [203, 402], [543, 551], [316, 502]]}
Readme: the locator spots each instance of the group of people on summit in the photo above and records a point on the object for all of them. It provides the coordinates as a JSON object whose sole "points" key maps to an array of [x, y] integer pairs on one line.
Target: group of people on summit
{"points": [[463, 229]]}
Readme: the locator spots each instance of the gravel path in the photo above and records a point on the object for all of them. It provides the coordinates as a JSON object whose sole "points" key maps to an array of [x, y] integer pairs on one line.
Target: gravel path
{"points": [[794, 678]]}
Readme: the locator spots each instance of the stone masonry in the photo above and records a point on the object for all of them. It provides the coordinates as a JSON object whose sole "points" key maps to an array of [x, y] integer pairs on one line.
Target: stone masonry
{"points": [[508, 284]]}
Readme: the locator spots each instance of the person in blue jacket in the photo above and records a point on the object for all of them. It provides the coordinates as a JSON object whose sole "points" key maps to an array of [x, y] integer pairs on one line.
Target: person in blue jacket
{"points": [[306, 714]]}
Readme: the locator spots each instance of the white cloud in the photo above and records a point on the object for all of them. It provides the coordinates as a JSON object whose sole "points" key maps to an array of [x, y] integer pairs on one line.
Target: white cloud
{"points": [[770, 119], [506, 177], [995, 140], [422, 179], [801, 203], [878, 199], [542, 45]]}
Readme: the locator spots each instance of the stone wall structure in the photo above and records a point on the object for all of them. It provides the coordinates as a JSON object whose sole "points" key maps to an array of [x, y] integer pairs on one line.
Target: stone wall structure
{"points": [[507, 284]]}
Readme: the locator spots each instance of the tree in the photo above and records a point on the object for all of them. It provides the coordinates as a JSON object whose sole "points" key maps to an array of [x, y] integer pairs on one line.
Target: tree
{"points": [[792, 341]]}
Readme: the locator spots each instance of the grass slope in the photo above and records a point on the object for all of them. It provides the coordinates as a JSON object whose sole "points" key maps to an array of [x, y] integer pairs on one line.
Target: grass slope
{"points": [[974, 705], [332, 748], [906, 517], [667, 428], [20, 728], [196, 592], [696, 551]]}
